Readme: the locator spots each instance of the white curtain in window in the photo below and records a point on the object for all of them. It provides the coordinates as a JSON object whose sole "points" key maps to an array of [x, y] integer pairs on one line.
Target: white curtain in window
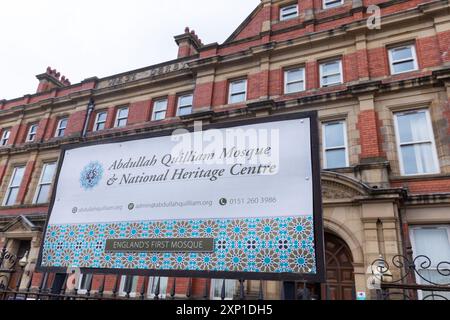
{"points": [[416, 143], [434, 243]]}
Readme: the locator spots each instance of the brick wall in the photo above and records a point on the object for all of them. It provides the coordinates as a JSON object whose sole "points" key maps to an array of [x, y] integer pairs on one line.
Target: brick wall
{"points": [[76, 123], [42, 126], [139, 112], [2, 172], [370, 139], [363, 63], [111, 117], [203, 95], [312, 75], [172, 104], [51, 127], [378, 62], [220, 93], [428, 52], [444, 45], [431, 51]]}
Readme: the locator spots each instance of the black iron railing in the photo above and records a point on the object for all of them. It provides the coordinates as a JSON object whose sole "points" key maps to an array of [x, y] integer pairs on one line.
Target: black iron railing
{"points": [[45, 289], [405, 278]]}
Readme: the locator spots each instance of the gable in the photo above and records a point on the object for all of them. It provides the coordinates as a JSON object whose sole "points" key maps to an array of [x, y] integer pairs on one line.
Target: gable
{"points": [[252, 25]]}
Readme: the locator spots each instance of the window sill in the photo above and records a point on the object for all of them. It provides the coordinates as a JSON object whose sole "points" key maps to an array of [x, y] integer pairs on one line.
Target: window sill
{"points": [[404, 72], [331, 85], [288, 19], [341, 170], [293, 93]]}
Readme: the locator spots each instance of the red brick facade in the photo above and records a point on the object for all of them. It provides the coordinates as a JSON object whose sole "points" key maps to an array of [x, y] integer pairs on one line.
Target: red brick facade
{"points": [[363, 65]]}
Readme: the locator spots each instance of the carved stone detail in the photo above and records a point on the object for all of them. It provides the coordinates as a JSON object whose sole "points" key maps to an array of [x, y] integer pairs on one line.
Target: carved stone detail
{"points": [[333, 190]]}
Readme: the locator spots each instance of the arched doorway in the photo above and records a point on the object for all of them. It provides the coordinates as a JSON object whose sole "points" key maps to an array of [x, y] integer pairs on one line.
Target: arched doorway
{"points": [[339, 269]]}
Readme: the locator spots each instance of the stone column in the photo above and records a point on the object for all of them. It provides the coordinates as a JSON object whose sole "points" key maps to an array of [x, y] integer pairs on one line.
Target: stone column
{"points": [[381, 234]]}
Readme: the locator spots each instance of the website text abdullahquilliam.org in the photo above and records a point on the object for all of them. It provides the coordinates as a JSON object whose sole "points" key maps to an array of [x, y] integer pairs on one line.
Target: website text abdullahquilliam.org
{"points": [[175, 204]]}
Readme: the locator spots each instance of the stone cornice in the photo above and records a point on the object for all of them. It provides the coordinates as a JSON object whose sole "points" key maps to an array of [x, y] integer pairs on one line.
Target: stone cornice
{"points": [[428, 199]]}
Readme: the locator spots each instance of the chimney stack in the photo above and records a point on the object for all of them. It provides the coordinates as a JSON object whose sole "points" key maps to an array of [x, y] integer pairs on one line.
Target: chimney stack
{"points": [[188, 43], [51, 79]]}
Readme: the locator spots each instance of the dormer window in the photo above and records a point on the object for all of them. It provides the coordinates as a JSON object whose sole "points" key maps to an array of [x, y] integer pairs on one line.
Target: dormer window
{"points": [[289, 12]]}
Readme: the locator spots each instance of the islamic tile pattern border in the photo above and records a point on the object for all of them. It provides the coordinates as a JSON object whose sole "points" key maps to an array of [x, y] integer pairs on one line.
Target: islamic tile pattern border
{"points": [[272, 245]]}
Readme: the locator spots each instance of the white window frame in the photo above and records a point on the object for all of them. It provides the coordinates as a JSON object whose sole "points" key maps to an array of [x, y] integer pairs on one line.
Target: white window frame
{"points": [[231, 93], [325, 148], [134, 288], [433, 142], [42, 183], [5, 137], [179, 107], [11, 186], [163, 285], [328, 4], [292, 16], [60, 128], [286, 83], [118, 118], [31, 135], [97, 122], [82, 277], [219, 283], [154, 111], [414, 246], [414, 58], [322, 75]]}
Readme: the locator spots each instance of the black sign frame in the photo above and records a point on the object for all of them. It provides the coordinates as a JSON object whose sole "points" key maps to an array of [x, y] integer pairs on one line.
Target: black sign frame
{"points": [[318, 277]]}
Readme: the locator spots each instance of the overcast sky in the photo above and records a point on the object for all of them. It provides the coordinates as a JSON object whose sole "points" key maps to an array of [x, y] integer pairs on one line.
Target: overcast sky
{"points": [[86, 38]]}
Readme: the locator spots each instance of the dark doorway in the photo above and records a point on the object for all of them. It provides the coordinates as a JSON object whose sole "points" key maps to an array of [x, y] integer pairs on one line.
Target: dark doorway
{"points": [[339, 269]]}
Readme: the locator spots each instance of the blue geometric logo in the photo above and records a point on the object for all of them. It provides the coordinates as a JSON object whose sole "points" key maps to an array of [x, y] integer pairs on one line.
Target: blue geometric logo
{"points": [[91, 175]]}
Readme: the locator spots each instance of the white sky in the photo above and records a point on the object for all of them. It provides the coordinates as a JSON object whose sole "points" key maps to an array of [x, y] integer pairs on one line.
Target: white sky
{"points": [[86, 38]]}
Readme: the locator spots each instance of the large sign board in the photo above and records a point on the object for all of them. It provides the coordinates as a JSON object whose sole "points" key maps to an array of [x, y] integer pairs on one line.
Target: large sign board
{"points": [[232, 200]]}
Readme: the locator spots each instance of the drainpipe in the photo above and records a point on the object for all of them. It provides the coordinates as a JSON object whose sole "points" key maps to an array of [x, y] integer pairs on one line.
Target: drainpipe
{"points": [[90, 109]]}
